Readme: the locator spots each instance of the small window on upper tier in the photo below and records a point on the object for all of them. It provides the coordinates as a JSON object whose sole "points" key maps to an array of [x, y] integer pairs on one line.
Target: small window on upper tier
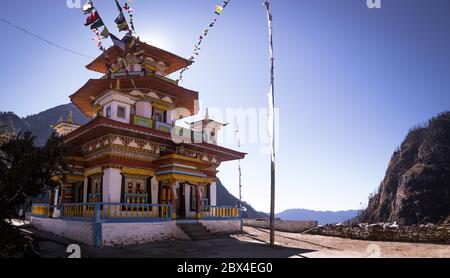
{"points": [[108, 112], [121, 112]]}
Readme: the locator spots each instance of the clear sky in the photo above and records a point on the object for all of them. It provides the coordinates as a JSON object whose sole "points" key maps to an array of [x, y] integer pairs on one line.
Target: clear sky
{"points": [[350, 81]]}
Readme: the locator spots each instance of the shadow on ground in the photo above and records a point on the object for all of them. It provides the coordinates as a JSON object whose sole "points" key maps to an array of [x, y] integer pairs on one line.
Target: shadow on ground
{"points": [[52, 246]]}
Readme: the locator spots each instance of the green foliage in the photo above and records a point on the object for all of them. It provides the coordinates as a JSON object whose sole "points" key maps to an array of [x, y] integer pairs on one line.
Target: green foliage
{"points": [[26, 171], [14, 245]]}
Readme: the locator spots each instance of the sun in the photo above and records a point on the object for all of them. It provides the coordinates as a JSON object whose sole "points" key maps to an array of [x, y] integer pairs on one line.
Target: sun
{"points": [[155, 39]]}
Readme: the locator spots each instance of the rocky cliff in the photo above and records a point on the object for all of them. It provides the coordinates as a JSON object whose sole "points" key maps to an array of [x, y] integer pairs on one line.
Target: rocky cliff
{"points": [[416, 188]]}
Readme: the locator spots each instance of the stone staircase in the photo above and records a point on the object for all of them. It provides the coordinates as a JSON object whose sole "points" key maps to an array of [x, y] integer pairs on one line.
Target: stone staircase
{"points": [[196, 231]]}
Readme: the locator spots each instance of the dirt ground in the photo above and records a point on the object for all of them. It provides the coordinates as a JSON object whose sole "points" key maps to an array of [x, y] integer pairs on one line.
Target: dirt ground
{"points": [[332, 247], [251, 244]]}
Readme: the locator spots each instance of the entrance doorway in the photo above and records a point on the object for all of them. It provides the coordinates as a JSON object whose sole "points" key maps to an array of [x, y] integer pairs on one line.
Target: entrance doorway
{"points": [[167, 196], [180, 201]]}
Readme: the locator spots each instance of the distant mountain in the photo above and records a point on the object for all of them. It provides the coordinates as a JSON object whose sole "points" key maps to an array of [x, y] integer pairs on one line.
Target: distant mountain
{"points": [[225, 198], [40, 124], [323, 217]]}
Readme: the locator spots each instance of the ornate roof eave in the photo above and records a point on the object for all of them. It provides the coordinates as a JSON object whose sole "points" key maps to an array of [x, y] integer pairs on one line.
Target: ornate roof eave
{"points": [[174, 61], [84, 97], [102, 125]]}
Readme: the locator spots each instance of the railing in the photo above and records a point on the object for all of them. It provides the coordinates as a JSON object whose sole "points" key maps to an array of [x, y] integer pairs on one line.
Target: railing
{"points": [[185, 134], [117, 212], [211, 212], [95, 197], [164, 127], [136, 198], [144, 122], [40, 210], [83, 211]]}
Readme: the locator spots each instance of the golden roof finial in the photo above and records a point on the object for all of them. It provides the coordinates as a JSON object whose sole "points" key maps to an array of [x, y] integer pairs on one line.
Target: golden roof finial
{"points": [[207, 114], [118, 84], [70, 118]]}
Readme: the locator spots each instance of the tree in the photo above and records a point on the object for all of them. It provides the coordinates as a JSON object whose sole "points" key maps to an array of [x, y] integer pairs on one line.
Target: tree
{"points": [[26, 171]]}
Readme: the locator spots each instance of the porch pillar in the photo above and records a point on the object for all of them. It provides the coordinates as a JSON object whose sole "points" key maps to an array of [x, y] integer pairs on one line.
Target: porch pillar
{"points": [[85, 190], [173, 196], [112, 185], [199, 205], [213, 194]]}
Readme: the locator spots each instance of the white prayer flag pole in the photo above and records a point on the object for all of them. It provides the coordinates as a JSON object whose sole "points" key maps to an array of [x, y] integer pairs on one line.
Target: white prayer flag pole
{"points": [[271, 125]]}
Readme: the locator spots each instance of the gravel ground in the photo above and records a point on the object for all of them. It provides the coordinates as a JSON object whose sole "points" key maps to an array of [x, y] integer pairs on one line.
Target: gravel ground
{"points": [[333, 247]]}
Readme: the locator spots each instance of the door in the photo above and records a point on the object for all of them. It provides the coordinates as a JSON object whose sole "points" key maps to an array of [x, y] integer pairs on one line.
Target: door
{"points": [[180, 202], [165, 198]]}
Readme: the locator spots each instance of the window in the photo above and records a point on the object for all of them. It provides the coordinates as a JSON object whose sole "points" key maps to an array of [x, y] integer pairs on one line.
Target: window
{"points": [[139, 189], [108, 112], [159, 115], [193, 198], [121, 112]]}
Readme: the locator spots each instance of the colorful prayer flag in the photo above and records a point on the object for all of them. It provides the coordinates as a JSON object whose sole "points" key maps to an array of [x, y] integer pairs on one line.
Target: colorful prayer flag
{"points": [[123, 26], [118, 42], [219, 9], [105, 33], [97, 24], [120, 19], [88, 7], [92, 18]]}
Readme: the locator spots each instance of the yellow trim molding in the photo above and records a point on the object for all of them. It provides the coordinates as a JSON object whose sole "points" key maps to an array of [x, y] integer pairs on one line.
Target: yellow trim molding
{"points": [[93, 171], [187, 178], [179, 156], [138, 171], [74, 178]]}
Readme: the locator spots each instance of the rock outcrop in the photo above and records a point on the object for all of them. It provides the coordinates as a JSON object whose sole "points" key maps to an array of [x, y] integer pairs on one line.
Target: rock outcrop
{"points": [[416, 188]]}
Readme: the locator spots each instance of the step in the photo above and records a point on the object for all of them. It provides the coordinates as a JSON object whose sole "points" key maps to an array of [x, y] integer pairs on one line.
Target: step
{"points": [[196, 231]]}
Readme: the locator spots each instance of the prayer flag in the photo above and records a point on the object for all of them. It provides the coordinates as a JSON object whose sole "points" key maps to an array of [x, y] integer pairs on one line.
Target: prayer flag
{"points": [[105, 33], [123, 26], [97, 24], [117, 42], [219, 9], [88, 7], [92, 18]]}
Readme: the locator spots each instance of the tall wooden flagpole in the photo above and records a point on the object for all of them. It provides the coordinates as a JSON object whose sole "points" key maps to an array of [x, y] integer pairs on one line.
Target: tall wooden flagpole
{"points": [[271, 126]]}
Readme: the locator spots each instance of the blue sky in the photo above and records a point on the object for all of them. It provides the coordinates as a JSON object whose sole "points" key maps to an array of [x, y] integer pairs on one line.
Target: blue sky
{"points": [[350, 81]]}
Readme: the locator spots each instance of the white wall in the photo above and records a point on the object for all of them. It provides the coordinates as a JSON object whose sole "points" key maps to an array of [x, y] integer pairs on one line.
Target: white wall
{"points": [[213, 190], [114, 108], [144, 109], [135, 233], [79, 231], [155, 192], [170, 115], [112, 185], [113, 99], [222, 226]]}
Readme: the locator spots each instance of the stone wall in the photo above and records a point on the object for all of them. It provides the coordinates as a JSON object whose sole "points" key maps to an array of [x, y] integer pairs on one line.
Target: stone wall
{"points": [[280, 225], [76, 230], [433, 234], [222, 226]]}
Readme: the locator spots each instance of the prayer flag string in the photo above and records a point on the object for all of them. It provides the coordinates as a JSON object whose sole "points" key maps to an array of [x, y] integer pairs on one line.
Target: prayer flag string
{"points": [[218, 10]]}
